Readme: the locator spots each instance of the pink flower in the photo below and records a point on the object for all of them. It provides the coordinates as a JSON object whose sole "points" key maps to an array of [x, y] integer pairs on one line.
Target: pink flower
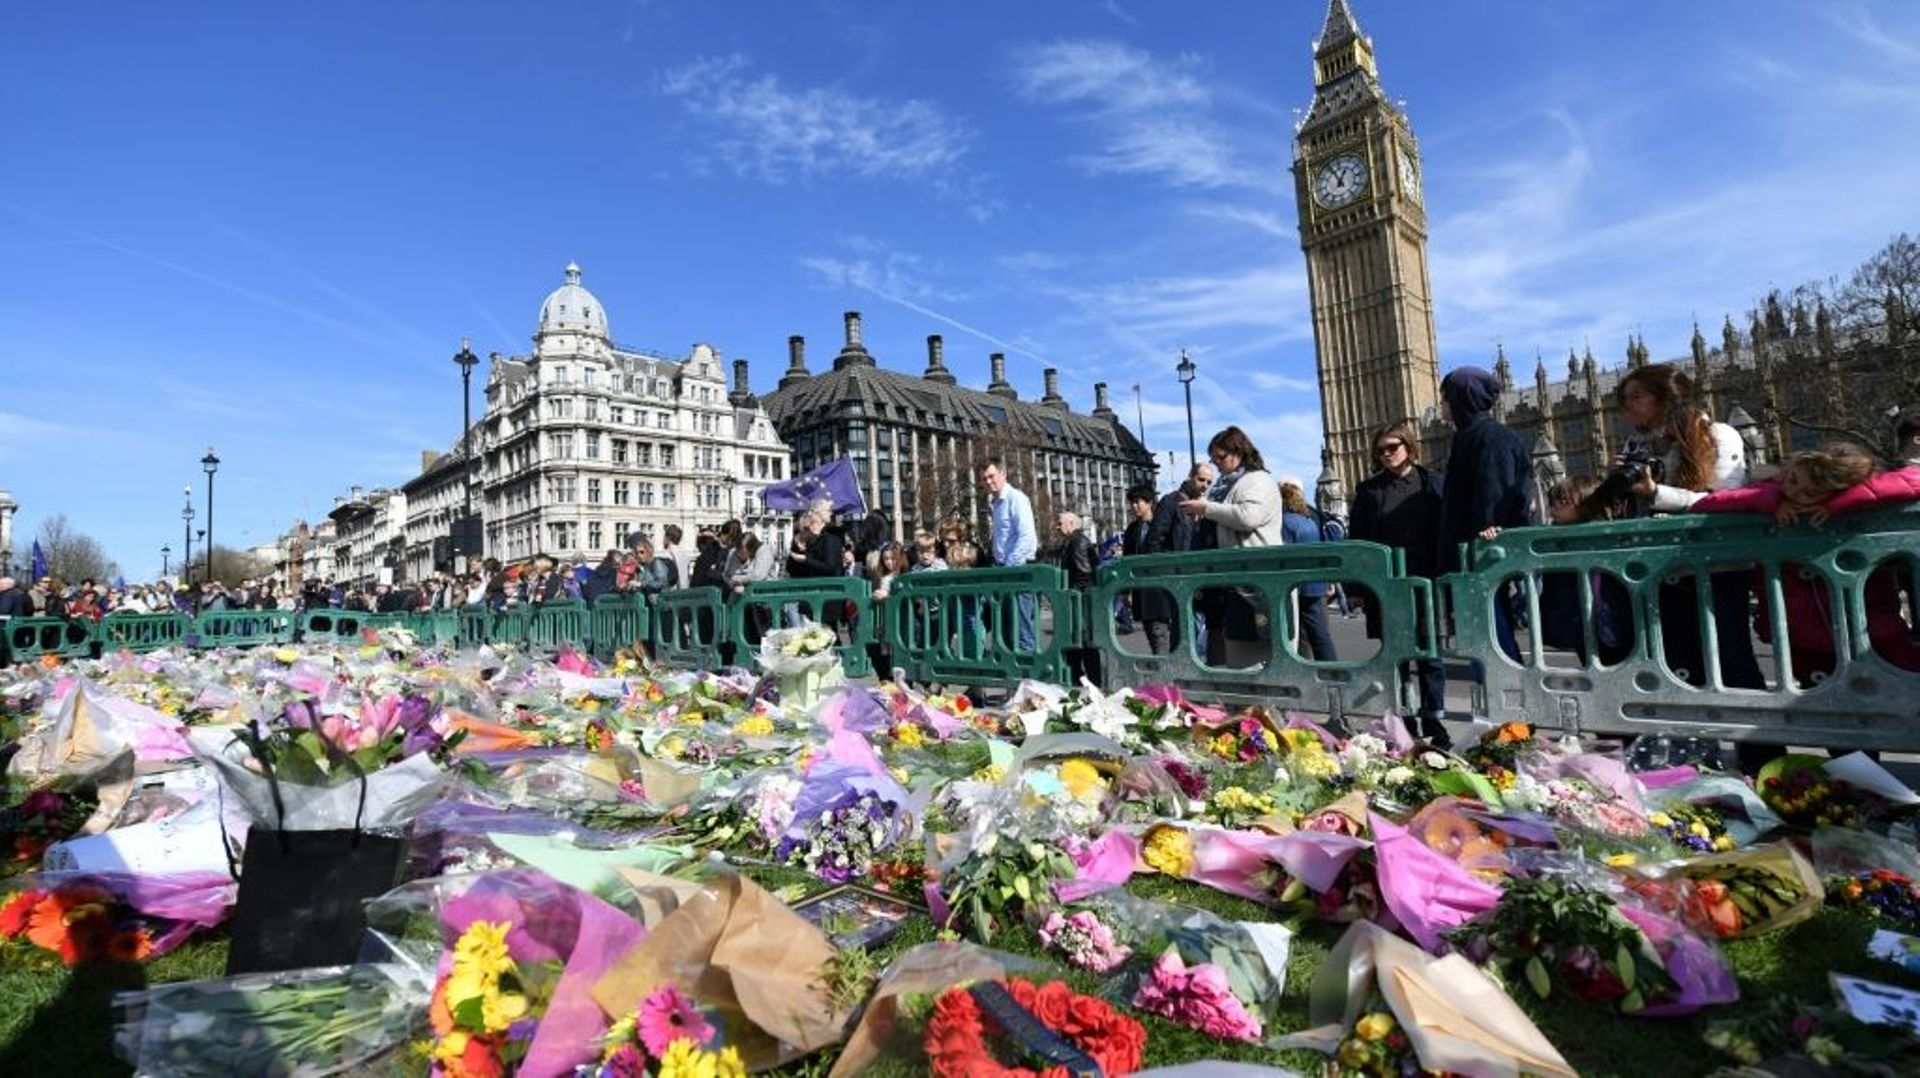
{"points": [[1200, 997], [668, 1015]]}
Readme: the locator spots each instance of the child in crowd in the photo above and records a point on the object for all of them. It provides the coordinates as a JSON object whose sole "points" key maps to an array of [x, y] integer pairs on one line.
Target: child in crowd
{"points": [[927, 554], [1836, 479]]}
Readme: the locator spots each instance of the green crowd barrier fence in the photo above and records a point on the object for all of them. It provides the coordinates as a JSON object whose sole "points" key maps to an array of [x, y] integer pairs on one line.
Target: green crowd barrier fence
{"points": [[343, 625], [1700, 590], [143, 632], [437, 627], [28, 639], [762, 607], [616, 621], [689, 625], [242, 628], [986, 628], [1251, 596], [551, 626]]}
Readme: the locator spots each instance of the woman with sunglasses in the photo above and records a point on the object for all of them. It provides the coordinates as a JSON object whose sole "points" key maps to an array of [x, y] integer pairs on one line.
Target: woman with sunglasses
{"points": [[1399, 506]]}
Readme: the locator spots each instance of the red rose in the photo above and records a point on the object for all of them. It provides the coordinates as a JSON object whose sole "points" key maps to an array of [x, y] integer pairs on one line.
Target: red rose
{"points": [[1087, 1014], [1053, 1005]]}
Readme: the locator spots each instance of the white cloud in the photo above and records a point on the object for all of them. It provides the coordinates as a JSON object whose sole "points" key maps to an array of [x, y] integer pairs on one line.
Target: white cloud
{"points": [[772, 132], [1151, 116]]}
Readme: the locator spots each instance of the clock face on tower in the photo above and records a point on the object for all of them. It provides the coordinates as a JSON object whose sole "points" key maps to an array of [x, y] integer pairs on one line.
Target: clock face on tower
{"points": [[1409, 175], [1340, 181]]}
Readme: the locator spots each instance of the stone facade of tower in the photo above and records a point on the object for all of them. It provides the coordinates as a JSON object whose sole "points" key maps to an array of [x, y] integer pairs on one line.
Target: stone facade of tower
{"points": [[1357, 173]]}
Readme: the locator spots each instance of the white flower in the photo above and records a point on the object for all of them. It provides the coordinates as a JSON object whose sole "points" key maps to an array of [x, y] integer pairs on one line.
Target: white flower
{"points": [[1368, 744], [1434, 760], [1397, 774]]}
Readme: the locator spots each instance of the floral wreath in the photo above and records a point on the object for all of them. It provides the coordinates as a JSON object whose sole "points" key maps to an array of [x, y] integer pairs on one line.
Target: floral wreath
{"points": [[956, 1033]]}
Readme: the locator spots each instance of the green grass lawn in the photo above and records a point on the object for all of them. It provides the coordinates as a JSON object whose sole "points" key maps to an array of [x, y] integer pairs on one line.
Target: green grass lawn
{"points": [[55, 1021]]}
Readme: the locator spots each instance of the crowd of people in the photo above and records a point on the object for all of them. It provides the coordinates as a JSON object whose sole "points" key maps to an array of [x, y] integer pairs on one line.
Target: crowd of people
{"points": [[1678, 460]]}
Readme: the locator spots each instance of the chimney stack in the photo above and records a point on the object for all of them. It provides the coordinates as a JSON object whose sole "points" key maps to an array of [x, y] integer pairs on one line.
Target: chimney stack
{"points": [[1000, 387], [742, 394], [428, 458], [1052, 397], [1101, 408], [354, 492], [937, 361], [796, 361], [853, 353]]}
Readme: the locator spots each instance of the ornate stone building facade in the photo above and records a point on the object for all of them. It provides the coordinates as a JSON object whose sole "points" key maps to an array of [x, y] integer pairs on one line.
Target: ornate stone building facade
{"points": [[918, 442], [1357, 173], [585, 442]]}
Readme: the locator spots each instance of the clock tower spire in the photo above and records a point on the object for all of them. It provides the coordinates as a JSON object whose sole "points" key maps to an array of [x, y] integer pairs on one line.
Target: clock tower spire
{"points": [[1357, 181]]}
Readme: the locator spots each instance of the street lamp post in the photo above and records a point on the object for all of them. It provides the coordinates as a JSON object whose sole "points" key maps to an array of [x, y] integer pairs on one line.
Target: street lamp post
{"points": [[210, 464], [166, 566], [1139, 416], [1186, 370], [186, 519], [467, 360]]}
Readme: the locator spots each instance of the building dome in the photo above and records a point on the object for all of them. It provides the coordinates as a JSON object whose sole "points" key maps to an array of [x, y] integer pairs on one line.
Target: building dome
{"points": [[571, 308]]}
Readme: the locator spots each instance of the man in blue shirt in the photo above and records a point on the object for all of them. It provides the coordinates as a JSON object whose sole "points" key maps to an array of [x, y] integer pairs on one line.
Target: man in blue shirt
{"points": [[1014, 540]]}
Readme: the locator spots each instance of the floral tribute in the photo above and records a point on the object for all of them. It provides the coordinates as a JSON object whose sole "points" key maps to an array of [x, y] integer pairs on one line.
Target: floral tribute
{"points": [[842, 844], [1693, 827], [1200, 997], [1376, 1047], [1558, 938], [1800, 790], [77, 922], [484, 1010], [1880, 893], [312, 747], [960, 1035], [43, 818], [1086, 941], [671, 1030]]}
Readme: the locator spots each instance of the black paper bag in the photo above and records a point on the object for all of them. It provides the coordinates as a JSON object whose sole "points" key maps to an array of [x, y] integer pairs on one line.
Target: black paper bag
{"points": [[301, 893]]}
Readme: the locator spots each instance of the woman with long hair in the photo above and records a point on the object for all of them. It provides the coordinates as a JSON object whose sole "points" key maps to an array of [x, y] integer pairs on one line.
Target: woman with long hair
{"points": [[1399, 506], [1244, 508]]}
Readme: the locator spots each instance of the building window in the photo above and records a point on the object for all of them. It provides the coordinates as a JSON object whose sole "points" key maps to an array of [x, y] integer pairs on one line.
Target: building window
{"points": [[706, 423], [621, 489], [616, 414], [593, 445], [666, 456], [593, 535], [560, 446], [560, 489], [643, 454], [621, 529], [593, 408], [663, 420], [619, 450], [561, 376], [660, 387], [856, 437], [593, 494], [587, 377], [669, 494]]}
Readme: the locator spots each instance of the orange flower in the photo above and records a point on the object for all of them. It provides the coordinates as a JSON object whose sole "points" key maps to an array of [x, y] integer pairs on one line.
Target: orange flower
{"points": [[15, 914], [47, 925], [478, 1061], [134, 945], [439, 1011], [1513, 731]]}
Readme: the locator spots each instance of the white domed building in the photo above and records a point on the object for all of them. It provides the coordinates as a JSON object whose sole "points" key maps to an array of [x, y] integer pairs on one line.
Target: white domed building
{"points": [[585, 442]]}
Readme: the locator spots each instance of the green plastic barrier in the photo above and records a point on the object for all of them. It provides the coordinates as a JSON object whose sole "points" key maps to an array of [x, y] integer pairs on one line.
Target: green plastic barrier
{"points": [[242, 628], [760, 607], [964, 627], [440, 628], [618, 620], [1271, 669], [475, 626], [688, 627], [143, 632], [31, 638], [1864, 701], [322, 625], [550, 626]]}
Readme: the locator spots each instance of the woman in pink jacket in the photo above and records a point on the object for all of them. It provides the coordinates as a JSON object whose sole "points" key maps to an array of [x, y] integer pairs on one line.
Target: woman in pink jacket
{"points": [[1833, 480]]}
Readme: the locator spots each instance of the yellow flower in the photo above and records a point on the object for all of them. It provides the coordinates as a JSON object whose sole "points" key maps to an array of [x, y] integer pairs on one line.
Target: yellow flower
{"points": [[502, 1009], [1723, 843], [1699, 830], [1622, 860], [1238, 799], [1316, 765], [671, 749], [754, 726], [1300, 740], [590, 704], [1373, 1027], [1273, 743], [992, 773], [451, 1047], [684, 1060], [1659, 819], [1224, 746], [288, 656], [1168, 850], [466, 982], [899, 774], [1082, 780], [484, 946], [909, 735]]}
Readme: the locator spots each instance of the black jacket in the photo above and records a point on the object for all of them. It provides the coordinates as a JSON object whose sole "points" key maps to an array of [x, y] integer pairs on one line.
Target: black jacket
{"points": [[604, 581], [1170, 530], [709, 568], [13, 604], [1079, 559], [826, 556], [1486, 485], [1414, 524]]}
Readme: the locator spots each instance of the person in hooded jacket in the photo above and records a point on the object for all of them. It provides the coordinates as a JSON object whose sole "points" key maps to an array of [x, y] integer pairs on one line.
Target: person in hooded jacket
{"points": [[1487, 477], [1399, 506]]}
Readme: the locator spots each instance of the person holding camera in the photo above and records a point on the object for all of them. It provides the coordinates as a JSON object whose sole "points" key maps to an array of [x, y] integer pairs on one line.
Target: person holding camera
{"points": [[1679, 456]]}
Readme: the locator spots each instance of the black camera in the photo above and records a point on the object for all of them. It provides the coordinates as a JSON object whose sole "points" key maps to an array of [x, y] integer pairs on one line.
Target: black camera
{"points": [[1636, 463]]}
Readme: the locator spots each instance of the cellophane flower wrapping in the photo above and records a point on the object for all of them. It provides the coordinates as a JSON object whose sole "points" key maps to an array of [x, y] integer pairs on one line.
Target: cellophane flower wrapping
{"points": [[1222, 978], [550, 924], [1749, 892], [805, 661], [389, 798], [311, 1022]]}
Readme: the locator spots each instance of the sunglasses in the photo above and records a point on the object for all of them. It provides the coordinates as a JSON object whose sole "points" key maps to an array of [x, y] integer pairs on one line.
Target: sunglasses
{"points": [[1388, 448]]}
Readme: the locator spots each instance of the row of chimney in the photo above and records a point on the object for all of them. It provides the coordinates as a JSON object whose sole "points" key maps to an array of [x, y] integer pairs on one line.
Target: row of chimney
{"points": [[854, 354]]}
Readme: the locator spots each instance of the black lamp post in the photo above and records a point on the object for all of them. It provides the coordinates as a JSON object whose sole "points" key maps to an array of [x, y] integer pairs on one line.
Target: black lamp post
{"points": [[166, 566], [186, 519], [210, 464], [467, 360], [1186, 370]]}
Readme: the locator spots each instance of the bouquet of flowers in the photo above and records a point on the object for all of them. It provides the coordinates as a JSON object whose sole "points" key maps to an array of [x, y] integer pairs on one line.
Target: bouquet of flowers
{"points": [[1800, 790], [1834, 1041], [1205, 973], [1561, 938], [1376, 1047], [43, 818], [1087, 942], [80, 922], [803, 660], [485, 1006], [670, 1028], [996, 877], [842, 842], [1050, 1022], [1743, 893], [1501, 746], [1881, 893], [1693, 827]]}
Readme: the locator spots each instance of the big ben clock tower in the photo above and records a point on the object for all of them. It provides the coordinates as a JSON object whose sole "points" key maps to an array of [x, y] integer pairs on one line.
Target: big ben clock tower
{"points": [[1357, 171]]}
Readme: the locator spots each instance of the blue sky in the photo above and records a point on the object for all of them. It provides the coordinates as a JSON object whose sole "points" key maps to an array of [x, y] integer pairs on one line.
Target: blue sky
{"points": [[266, 227]]}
